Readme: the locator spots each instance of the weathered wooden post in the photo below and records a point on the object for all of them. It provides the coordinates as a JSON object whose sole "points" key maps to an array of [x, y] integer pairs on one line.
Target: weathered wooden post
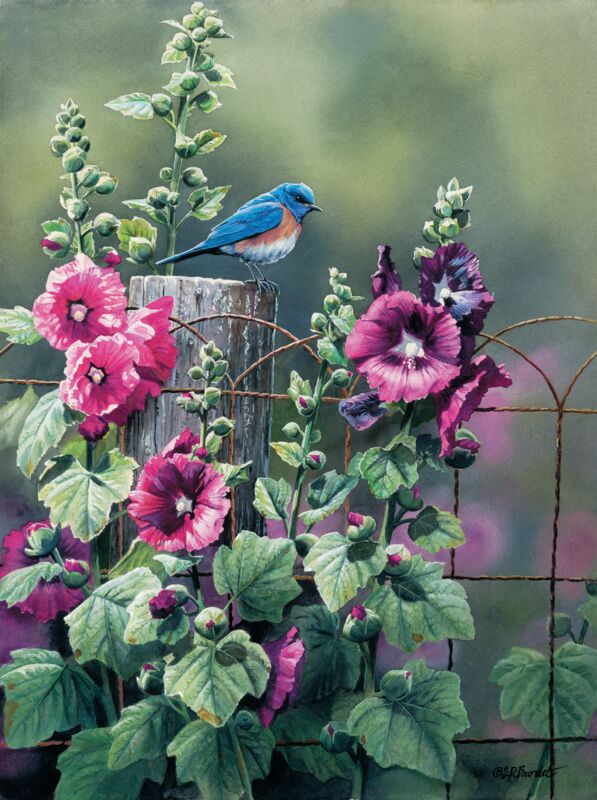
{"points": [[242, 342]]}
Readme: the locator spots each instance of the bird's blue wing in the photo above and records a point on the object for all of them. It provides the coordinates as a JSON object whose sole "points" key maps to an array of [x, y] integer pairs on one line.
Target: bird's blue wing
{"points": [[250, 220]]}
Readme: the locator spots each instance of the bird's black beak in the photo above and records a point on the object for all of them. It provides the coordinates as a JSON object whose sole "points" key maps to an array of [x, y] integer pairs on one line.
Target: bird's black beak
{"points": [[313, 207]]}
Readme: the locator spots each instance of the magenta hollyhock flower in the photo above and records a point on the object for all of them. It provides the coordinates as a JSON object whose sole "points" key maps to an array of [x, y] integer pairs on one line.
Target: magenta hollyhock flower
{"points": [[451, 278], [81, 301], [50, 244], [148, 328], [186, 442], [93, 428], [48, 598], [358, 612], [179, 503], [457, 403], [286, 656], [363, 410], [385, 280], [405, 349], [112, 258], [100, 375], [355, 519], [164, 604]]}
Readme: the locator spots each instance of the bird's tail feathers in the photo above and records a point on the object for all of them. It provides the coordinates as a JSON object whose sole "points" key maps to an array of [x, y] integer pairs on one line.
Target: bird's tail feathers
{"points": [[197, 250]]}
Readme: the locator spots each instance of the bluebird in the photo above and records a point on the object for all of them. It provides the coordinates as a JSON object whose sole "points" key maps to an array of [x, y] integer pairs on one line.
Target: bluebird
{"points": [[262, 231]]}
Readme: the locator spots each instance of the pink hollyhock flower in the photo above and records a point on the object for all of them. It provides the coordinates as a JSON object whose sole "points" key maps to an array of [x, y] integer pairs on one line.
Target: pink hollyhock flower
{"points": [[286, 656], [406, 350], [81, 301], [93, 428], [101, 375], [385, 280], [457, 403], [49, 598], [148, 328], [179, 503]]}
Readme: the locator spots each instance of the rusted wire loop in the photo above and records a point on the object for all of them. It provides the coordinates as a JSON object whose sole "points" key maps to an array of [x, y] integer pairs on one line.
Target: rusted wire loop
{"points": [[538, 320], [577, 375]]}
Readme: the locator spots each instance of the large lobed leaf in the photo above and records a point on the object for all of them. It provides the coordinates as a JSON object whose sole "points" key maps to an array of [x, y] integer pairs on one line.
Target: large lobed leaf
{"points": [[434, 529], [18, 584], [272, 497], [44, 428], [258, 572], [44, 695], [326, 495], [415, 731], [422, 606], [17, 323], [13, 415], [388, 468]]}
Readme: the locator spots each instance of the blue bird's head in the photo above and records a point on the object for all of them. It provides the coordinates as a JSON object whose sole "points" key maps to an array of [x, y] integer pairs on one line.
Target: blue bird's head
{"points": [[298, 197]]}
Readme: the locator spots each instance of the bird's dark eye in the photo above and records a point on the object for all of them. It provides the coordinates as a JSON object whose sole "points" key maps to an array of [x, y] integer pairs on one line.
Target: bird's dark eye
{"points": [[299, 198]]}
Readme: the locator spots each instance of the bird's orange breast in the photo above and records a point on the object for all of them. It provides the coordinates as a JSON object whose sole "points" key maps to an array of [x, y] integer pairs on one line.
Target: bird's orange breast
{"points": [[287, 227]]}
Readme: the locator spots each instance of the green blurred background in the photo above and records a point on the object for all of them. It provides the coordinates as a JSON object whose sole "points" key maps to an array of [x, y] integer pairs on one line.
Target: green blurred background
{"points": [[373, 104]]}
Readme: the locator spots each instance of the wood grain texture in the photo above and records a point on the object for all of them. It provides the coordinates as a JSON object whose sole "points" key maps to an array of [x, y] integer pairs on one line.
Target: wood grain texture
{"points": [[242, 343]]}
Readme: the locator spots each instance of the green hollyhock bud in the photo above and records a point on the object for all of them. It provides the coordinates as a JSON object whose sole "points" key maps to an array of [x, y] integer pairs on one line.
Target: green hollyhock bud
{"points": [[448, 228], [213, 25], [207, 101], [396, 684], [185, 146], [335, 738], [191, 21], [106, 184], [399, 559], [84, 143], [220, 369], [158, 196], [316, 459], [161, 104], [76, 573], [89, 176], [245, 720], [442, 209], [195, 373], [318, 322], [591, 588], [431, 232], [341, 378], [63, 118], [190, 402], [166, 173], [174, 198], [361, 624], [222, 426], [410, 499], [207, 365], [205, 62], [151, 678], [71, 107], [73, 159], [106, 224], [360, 527], [212, 396], [140, 249], [41, 542], [306, 405], [189, 79], [304, 542], [197, 8], [562, 625], [343, 292], [291, 430], [181, 41], [56, 244], [216, 353], [211, 623], [76, 208], [61, 129], [463, 218], [193, 176], [199, 35], [465, 450], [58, 145], [207, 349], [419, 253], [331, 303], [73, 134], [78, 121], [455, 199]]}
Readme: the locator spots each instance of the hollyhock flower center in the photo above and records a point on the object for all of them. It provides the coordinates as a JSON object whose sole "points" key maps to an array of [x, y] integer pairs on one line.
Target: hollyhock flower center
{"points": [[78, 311], [184, 505], [410, 347], [445, 294], [96, 375]]}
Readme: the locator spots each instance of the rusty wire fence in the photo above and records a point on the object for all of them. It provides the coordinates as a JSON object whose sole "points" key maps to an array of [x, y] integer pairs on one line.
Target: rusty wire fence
{"points": [[559, 409]]}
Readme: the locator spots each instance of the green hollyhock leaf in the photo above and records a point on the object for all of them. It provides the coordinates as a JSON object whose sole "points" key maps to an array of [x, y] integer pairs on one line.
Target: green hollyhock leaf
{"points": [[211, 203], [326, 495], [172, 564], [85, 774], [332, 352], [524, 678], [82, 499], [415, 731], [272, 497], [17, 323], [434, 529], [208, 140], [139, 554], [174, 24], [290, 452], [219, 75], [142, 628], [138, 228], [18, 585], [354, 468], [405, 784], [60, 224], [388, 468], [13, 415], [235, 474], [44, 428], [156, 214], [306, 722], [332, 662], [298, 386], [428, 450], [97, 626], [215, 772], [341, 567], [422, 606], [44, 695], [214, 676], [589, 610], [136, 104], [343, 320], [257, 571], [173, 56], [144, 731]]}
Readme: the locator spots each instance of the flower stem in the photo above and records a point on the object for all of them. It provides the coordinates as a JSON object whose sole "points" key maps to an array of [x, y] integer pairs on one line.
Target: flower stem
{"points": [[389, 522], [357, 780], [107, 700], [367, 651], [240, 762], [75, 191], [536, 784], [306, 446]]}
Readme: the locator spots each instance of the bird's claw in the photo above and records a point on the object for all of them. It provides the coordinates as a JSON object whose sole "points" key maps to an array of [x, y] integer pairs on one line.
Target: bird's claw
{"points": [[264, 285]]}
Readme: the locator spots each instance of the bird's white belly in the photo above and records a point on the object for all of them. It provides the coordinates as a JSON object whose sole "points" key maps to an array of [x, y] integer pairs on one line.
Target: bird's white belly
{"points": [[269, 252]]}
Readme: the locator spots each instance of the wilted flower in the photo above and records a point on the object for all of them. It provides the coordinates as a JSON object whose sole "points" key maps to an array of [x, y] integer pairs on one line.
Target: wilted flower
{"points": [[406, 350], [101, 375], [457, 403], [385, 280], [48, 598], [81, 301], [286, 656], [179, 503], [93, 428], [363, 410]]}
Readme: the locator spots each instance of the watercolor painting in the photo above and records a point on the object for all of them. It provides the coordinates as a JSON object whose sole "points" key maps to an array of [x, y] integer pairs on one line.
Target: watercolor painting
{"points": [[297, 400]]}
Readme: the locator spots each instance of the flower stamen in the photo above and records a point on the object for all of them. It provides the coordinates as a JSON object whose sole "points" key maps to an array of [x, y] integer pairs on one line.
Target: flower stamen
{"points": [[78, 312]]}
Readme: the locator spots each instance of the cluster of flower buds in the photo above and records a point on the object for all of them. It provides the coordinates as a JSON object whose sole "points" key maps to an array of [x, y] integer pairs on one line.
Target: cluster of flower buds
{"points": [[334, 323], [211, 623], [452, 218], [211, 369], [361, 624], [43, 542]]}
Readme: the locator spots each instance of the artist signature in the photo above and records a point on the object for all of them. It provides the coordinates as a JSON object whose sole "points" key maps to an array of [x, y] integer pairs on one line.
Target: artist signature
{"points": [[512, 773]]}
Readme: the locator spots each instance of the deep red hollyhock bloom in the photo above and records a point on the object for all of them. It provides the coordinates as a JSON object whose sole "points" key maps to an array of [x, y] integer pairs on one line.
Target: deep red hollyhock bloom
{"points": [[93, 428], [164, 604], [286, 656], [81, 301]]}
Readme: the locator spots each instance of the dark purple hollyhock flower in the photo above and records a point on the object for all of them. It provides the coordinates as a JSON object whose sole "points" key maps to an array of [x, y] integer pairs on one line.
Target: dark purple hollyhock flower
{"points": [[164, 604], [184, 443], [93, 428], [457, 403], [363, 410], [286, 656], [452, 279], [385, 280], [405, 349]]}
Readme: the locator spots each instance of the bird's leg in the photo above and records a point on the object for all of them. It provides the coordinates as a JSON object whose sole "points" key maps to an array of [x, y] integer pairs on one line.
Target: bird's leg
{"points": [[257, 276], [264, 280], [252, 271]]}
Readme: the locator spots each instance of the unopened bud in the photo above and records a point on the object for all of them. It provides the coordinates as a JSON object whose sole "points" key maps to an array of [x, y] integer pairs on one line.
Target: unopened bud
{"points": [[89, 176], [419, 253], [185, 146], [181, 41], [291, 430], [166, 173], [106, 184], [304, 542], [150, 679], [41, 542], [73, 159], [245, 720], [399, 559], [106, 224], [56, 244], [448, 228], [335, 738], [318, 322], [465, 450], [76, 573], [316, 459], [343, 292], [195, 373], [306, 405], [140, 249], [341, 378], [76, 208], [212, 396], [212, 25], [430, 232], [161, 104], [360, 527], [73, 134], [193, 176], [211, 623], [396, 684], [199, 35], [222, 426], [331, 302], [410, 499], [158, 196], [361, 624], [59, 145]]}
